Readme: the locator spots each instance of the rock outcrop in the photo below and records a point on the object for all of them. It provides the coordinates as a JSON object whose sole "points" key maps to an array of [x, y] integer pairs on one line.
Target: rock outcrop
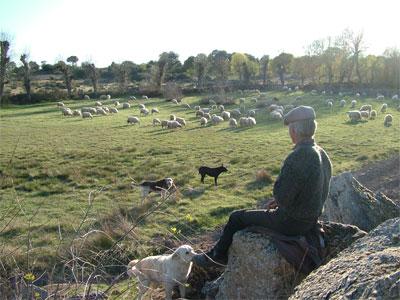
{"points": [[351, 203], [256, 270], [368, 269]]}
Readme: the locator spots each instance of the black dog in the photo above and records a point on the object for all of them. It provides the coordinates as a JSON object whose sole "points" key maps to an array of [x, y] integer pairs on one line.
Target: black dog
{"points": [[213, 172]]}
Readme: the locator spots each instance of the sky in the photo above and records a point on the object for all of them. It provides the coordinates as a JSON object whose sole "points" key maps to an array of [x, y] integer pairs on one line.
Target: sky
{"points": [[104, 31]]}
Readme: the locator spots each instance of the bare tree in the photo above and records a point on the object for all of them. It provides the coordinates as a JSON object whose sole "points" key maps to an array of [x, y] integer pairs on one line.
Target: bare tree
{"points": [[4, 60], [26, 68], [200, 68], [92, 72], [67, 72], [264, 62], [357, 48]]}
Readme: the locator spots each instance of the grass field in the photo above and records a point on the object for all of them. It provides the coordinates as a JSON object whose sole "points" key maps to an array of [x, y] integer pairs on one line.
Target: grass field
{"points": [[50, 163]]}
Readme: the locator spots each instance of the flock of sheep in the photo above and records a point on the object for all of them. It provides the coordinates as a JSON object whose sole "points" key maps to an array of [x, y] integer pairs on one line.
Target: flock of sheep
{"points": [[215, 114]]}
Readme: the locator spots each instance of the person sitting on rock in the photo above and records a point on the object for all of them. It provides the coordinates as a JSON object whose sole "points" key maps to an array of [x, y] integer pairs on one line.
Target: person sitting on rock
{"points": [[299, 191]]}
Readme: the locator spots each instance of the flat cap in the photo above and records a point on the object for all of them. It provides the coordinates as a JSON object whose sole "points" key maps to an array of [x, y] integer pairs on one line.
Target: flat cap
{"points": [[298, 114]]}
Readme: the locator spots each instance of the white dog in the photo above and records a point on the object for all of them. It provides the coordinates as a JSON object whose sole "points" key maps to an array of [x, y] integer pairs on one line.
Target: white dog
{"points": [[166, 270]]}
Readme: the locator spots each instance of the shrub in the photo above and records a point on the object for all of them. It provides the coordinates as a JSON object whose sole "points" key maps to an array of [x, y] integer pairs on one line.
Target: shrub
{"points": [[263, 176]]}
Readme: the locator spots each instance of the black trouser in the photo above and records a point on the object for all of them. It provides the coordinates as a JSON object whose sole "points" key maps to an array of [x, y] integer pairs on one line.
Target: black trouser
{"points": [[272, 219]]}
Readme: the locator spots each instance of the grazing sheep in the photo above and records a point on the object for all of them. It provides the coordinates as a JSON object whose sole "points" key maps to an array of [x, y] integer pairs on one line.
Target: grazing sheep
{"points": [[113, 110], [77, 113], [380, 97], [154, 110], [181, 121], [214, 107], [86, 97], [125, 105], [103, 97], [251, 113], [133, 120], [232, 123], [366, 107], [106, 109], [235, 113], [197, 107], [87, 114], [353, 103], [144, 111], [273, 107], [387, 121], [173, 124], [141, 106], [226, 115], [288, 107], [174, 101], [163, 270], [132, 98], [116, 103], [221, 108], [364, 114], [164, 123], [92, 110], [203, 121], [98, 103], [354, 115], [206, 110], [243, 122], [358, 95], [216, 119], [276, 115], [199, 113], [156, 122], [145, 97], [207, 116], [373, 114], [67, 112], [101, 111], [342, 103], [384, 107], [60, 104], [251, 121], [108, 97], [172, 117], [186, 105], [395, 97]]}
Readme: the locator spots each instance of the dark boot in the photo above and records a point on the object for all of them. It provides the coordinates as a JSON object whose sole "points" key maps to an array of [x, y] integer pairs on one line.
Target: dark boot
{"points": [[210, 259]]}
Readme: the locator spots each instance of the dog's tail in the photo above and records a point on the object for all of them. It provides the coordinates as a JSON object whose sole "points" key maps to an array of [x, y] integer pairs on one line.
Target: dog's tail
{"points": [[132, 269]]}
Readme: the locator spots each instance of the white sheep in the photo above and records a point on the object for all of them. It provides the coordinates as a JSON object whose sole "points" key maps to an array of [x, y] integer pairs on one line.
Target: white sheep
{"points": [[77, 113], [251, 113], [154, 110], [330, 104], [98, 103], [174, 101], [221, 108], [87, 114], [113, 110], [106, 109], [395, 97], [206, 110], [207, 116], [213, 107], [164, 123], [116, 103], [181, 121], [251, 121], [387, 121], [342, 103], [354, 115], [353, 103], [156, 122], [216, 119], [126, 105], [276, 115], [364, 114], [373, 114], [91, 110], [226, 115], [141, 106], [173, 124], [380, 97], [66, 112], [235, 113], [60, 104], [358, 95], [145, 97], [211, 102], [203, 121], [384, 107], [232, 123], [144, 111], [86, 97], [101, 111], [366, 107], [172, 117], [108, 97], [132, 98], [133, 120], [199, 113], [197, 107], [186, 105]]}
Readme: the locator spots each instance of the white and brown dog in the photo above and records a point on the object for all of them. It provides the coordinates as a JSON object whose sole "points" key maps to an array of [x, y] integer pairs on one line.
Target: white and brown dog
{"points": [[165, 270], [161, 187]]}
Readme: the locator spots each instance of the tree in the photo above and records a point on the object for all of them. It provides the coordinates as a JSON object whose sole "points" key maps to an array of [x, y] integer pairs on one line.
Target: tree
{"points": [[264, 62], [93, 74], [73, 60], [392, 67], [243, 66], [67, 73], [188, 66], [200, 68], [357, 47], [281, 65], [167, 67], [4, 60], [26, 67], [122, 72], [219, 65]]}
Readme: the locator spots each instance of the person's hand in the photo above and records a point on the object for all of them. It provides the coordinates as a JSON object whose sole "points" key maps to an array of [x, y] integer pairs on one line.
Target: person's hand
{"points": [[272, 204]]}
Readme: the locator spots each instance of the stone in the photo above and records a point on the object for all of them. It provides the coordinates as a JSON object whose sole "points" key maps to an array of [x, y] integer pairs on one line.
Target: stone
{"points": [[349, 202]]}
